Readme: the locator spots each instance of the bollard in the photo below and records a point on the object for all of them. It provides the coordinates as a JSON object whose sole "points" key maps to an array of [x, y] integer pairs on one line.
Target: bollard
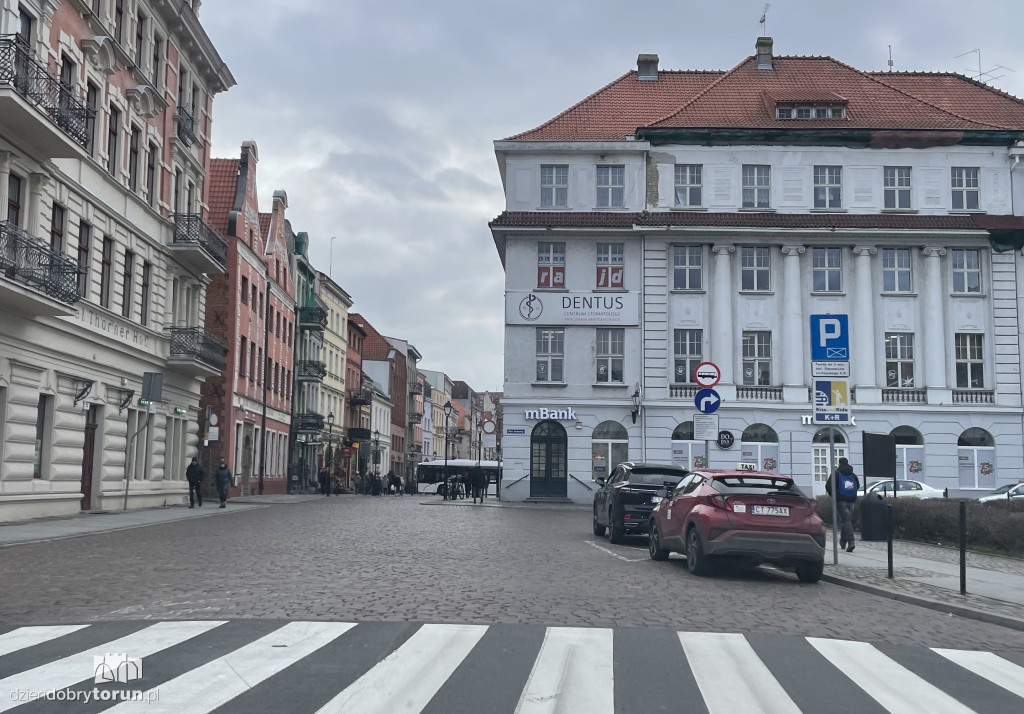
{"points": [[890, 539], [963, 547], [945, 493]]}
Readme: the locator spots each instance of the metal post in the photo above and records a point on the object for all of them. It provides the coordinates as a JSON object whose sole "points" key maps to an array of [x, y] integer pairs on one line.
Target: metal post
{"points": [[446, 488], [892, 525], [131, 454], [963, 547], [835, 494]]}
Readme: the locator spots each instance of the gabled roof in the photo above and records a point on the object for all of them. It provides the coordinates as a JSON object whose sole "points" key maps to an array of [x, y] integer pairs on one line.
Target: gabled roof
{"points": [[222, 181], [744, 98]]}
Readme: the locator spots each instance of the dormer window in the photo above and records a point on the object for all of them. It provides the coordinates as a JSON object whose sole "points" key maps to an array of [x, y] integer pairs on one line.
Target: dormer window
{"points": [[809, 111]]}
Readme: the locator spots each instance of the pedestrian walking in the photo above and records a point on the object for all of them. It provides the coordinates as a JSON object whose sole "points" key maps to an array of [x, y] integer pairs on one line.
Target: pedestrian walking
{"points": [[846, 499], [194, 473], [476, 482], [325, 482], [223, 479]]}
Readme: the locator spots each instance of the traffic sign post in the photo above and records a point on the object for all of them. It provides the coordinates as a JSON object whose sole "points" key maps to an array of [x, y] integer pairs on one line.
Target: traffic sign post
{"points": [[707, 401], [831, 401]]}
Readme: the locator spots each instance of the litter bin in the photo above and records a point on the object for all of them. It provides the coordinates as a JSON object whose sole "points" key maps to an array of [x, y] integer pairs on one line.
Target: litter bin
{"points": [[874, 517]]}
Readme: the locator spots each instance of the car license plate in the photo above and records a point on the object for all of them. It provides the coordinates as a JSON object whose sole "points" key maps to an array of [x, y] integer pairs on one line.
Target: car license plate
{"points": [[770, 510]]}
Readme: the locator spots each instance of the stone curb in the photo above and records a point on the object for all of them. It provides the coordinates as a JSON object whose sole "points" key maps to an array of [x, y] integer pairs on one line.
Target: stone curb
{"points": [[958, 610]]}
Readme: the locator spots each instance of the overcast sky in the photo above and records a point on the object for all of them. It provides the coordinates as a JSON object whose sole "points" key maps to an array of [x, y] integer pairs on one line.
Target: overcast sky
{"points": [[378, 117]]}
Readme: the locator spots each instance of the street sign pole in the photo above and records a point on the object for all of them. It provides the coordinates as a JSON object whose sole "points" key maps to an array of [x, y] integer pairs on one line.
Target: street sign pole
{"points": [[835, 495]]}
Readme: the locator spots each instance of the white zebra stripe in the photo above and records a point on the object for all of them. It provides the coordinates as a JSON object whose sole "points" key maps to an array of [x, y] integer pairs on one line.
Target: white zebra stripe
{"points": [[731, 677], [217, 682], [31, 636], [573, 672], [71, 670], [407, 679], [886, 681], [992, 667]]}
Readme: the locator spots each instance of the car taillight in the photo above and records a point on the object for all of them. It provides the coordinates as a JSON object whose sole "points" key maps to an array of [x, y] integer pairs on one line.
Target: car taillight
{"points": [[719, 501]]}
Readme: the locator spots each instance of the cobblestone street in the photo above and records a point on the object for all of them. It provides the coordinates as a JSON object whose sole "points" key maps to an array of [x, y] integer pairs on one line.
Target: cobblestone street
{"points": [[380, 559]]}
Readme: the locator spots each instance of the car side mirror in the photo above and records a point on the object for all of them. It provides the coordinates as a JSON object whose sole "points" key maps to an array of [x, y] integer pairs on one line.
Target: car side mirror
{"points": [[599, 480], [663, 492]]}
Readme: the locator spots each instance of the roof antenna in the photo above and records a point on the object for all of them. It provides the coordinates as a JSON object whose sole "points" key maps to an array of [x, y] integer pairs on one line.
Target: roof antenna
{"points": [[890, 58], [764, 18], [984, 76]]}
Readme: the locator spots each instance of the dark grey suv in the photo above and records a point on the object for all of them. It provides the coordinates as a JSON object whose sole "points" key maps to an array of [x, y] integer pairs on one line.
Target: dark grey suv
{"points": [[623, 504]]}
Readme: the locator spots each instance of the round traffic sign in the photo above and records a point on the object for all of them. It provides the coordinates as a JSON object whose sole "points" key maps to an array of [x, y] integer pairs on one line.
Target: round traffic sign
{"points": [[213, 420], [707, 374], [707, 401], [489, 426]]}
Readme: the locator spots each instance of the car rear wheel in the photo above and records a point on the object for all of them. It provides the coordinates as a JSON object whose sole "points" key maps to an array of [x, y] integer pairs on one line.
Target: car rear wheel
{"points": [[616, 533], [696, 562], [654, 545], [810, 572], [598, 528]]}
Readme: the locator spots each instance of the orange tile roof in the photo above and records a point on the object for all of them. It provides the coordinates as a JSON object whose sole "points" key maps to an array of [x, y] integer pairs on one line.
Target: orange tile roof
{"points": [[743, 97], [223, 181], [264, 226]]}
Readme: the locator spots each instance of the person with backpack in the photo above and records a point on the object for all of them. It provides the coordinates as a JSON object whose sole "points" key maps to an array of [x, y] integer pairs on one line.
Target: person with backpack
{"points": [[846, 498]]}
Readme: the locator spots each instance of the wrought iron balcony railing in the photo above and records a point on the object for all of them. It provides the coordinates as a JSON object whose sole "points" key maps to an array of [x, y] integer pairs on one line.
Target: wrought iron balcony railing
{"points": [[186, 126], [33, 81], [31, 262], [310, 369], [308, 422], [315, 317], [415, 418], [360, 396], [415, 388], [190, 228], [196, 344]]}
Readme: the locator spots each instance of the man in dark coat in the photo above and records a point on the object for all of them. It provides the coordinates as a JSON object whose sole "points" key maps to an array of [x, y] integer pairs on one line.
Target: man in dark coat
{"points": [[846, 499], [476, 482], [194, 473], [223, 479]]}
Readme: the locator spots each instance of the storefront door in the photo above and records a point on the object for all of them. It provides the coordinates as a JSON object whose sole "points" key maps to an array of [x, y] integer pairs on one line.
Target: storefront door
{"points": [[549, 467], [88, 457]]}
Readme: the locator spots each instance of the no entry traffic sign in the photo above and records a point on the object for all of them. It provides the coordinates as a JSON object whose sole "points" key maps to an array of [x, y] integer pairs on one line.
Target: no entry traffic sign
{"points": [[707, 374]]}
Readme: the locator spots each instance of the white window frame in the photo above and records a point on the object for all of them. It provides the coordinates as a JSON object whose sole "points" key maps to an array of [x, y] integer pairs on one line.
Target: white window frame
{"points": [[969, 355], [611, 355], [828, 186], [611, 186], [966, 263], [689, 185], [819, 460], [757, 186], [611, 257], [554, 186], [757, 355], [897, 188], [687, 267], [550, 354], [688, 347], [899, 360], [755, 263], [966, 188], [897, 270], [551, 255], [827, 264]]}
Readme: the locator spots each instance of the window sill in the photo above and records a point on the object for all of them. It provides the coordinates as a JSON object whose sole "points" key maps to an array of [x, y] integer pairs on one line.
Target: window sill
{"points": [[968, 295], [899, 210], [828, 293], [688, 208], [549, 384], [610, 208], [830, 210], [756, 210], [610, 290], [550, 290], [609, 385], [553, 208], [965, 211], [898, 294], [688, 292], [757, 292]]}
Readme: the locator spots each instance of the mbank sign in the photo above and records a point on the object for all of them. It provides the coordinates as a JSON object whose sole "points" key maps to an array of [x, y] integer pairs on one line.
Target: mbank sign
{"points": [[567, 414]]}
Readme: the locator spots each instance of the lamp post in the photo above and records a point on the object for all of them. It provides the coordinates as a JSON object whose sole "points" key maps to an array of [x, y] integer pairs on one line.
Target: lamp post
{"points": [[330, 453], [447, 415], [376, 454]]}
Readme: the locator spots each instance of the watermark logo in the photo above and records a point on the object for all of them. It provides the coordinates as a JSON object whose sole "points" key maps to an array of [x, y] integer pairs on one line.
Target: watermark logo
{"points": [[116, 668]]}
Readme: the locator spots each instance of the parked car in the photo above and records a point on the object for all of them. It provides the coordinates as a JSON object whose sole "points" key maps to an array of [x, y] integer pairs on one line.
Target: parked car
{"points": [[751, 516], [623, 503], [1013, 491], [906, 488]]}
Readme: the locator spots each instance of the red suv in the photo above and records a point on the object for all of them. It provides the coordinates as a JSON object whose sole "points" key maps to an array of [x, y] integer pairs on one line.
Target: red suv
{"points": [[751, 516]]}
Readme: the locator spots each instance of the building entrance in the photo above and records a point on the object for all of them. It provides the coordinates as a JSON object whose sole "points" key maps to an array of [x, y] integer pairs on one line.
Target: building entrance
{"points": [[549, 447]]}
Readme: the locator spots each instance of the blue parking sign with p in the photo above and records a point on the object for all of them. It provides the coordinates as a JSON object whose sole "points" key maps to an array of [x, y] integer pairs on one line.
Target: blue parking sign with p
{"points": [[830, 338]]}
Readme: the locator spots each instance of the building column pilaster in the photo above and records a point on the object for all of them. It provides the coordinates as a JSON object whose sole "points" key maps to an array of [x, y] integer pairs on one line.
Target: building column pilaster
{"points": [[865, 342], [934, 328], [723, 349], [6, 157], [793, 387], [36, 183]]}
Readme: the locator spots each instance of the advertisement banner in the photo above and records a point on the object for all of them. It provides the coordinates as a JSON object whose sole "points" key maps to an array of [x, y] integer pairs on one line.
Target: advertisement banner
{"points": [[572, 308]]}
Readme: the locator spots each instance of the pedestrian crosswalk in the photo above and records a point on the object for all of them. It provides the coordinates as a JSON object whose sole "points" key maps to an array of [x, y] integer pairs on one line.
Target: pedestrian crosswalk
{"points": [[389, 667]]}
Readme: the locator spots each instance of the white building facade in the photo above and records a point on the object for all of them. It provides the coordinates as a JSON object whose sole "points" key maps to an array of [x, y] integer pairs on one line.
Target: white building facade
{"points": [[637, 247]]}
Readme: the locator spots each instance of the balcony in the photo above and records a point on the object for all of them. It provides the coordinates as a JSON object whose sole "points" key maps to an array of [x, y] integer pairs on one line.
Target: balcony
{"points": [[974, 396], [186, 126], [307, 422], [35, 280], [198, 246], [38, 112], [196, 351], [759, 394], [309, 370], [360, 396], [312, 318], [682, 391], [415, 418], [415, 388], [904, 396]]}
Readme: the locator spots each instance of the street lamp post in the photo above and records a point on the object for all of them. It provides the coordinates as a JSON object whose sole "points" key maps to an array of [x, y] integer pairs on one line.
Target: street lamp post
{"points": [[447, 415], [376, 454], [330, 453]]}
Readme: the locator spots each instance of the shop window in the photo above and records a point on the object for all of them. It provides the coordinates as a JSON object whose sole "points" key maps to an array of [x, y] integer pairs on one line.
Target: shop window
{"points": [[976, 459], [909, 453], [609, 447], [687, 452], [759, 446]]}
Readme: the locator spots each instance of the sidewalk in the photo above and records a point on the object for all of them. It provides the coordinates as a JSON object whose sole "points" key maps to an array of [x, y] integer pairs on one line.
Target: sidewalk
{"points": [[929, 576], [44, 529]]}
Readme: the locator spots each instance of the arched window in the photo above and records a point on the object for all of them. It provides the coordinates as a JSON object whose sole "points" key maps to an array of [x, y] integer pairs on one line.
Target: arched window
{"points": [[759, 446], [609, 447], [976, 459], [909, 452], [819, 452], [686, 451]]}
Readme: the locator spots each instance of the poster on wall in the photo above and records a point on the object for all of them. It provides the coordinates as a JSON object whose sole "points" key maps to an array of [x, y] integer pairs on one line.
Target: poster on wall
{"points": [[689, 455], [966, 468], [765, 456], [986, 459], [910, 462]]}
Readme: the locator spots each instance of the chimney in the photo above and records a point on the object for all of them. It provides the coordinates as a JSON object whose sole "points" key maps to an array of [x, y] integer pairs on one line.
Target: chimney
{"points": [[763, 52], [647, 68]]}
